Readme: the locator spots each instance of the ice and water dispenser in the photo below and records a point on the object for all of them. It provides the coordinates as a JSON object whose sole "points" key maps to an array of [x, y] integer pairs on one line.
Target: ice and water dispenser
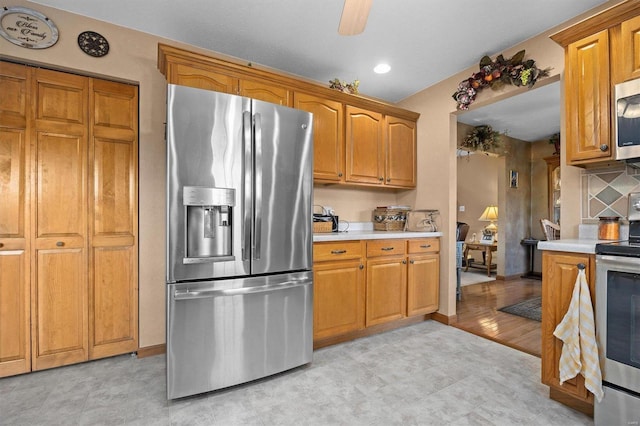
{"points": [[208, 225]]}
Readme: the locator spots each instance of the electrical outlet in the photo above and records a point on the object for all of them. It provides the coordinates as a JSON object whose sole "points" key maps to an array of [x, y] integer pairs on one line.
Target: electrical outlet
{"points": [[328, 209]]}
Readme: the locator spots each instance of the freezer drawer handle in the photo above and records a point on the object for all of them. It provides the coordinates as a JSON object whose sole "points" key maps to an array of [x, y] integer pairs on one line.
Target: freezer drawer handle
{"points": [[186, 295]]}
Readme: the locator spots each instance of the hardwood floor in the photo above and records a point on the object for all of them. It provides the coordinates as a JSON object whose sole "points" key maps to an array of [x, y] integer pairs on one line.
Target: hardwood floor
{"points": [[478, 313]]}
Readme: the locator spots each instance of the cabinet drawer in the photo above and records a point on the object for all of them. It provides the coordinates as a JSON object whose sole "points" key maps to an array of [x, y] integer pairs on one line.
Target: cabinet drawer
{"points": [[337, 251], [427, 245], [385, 247]]}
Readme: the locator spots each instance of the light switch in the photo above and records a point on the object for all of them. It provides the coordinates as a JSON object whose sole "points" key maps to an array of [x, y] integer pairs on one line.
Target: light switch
{"points": [[461, 208]]}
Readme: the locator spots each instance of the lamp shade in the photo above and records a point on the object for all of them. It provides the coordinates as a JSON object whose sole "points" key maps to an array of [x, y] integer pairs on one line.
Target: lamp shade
{"points": [[489, 214]]}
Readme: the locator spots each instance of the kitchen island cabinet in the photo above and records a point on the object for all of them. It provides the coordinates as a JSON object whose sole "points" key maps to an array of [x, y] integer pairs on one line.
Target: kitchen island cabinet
{"points": [[560, 270]]}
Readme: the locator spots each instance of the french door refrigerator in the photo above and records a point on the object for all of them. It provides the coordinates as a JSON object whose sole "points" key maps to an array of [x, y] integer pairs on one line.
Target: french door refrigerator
{"points": [[239, 240]]}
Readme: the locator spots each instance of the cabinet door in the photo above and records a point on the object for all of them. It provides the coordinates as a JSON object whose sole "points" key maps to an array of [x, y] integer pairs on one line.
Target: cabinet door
{"points": [[627, 55], [15, 356], [113, 283], [58, 205], [423, 283], [192, 76], [265, 92], [587, 100], [559, 275], [401, 152], [386, 290], [328, 136], [338, 298], [364, 148]]}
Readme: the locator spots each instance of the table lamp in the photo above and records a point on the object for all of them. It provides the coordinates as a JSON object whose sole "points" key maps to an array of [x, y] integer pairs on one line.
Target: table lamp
{"points": [[490, 214]]}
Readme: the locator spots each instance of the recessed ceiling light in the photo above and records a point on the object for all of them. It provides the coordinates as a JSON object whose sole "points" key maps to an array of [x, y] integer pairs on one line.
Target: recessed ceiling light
{"points": [[382, 69]]}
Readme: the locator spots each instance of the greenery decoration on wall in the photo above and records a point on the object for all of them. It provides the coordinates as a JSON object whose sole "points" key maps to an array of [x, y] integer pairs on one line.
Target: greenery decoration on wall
{"points": [[495, 74], [481, 138]]}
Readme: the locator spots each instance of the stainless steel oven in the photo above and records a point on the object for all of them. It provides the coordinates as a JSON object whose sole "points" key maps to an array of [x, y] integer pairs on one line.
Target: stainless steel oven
{"points": [[618, 324]]}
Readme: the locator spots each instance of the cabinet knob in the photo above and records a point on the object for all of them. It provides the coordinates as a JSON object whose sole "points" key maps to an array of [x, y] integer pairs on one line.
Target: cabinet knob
{"points": [[361, 266], [412, 262], [581, 266], [388, 179], [604, 147], [340, 174], [1, 245], [404, 262], [381, 179], [60, 244], [338, 251]]}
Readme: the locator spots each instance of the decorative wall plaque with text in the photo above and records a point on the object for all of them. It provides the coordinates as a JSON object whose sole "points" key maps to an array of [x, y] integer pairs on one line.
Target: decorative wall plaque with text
{"points": [[27, 28]]}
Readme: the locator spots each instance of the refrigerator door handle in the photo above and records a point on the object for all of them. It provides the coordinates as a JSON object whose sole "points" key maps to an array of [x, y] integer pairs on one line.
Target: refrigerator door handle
{"points": [[246, 207], [203, 294], [258, 186]]}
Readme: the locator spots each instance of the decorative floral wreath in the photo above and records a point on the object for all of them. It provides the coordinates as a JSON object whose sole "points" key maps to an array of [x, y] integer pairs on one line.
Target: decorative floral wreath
{"points": [[345, 87], [496, 74], [482, 138]]}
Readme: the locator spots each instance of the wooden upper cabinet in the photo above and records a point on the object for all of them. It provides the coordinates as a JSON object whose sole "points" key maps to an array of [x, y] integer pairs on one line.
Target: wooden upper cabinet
{"points": [[113, 284], [265, 92], [328, 136], [353, 143], [201, 78], [364, 147], [15, 356], [587, 90], [59, 203], [400, 164], [626, 52], [560, 271]]}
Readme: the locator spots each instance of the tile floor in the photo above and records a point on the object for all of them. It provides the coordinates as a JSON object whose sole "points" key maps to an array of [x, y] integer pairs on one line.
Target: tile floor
{"points": [[425, 374]]}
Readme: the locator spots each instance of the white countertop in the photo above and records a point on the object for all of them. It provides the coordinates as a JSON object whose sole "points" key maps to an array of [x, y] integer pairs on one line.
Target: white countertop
{"points": [[371, 235], [582, 245]]}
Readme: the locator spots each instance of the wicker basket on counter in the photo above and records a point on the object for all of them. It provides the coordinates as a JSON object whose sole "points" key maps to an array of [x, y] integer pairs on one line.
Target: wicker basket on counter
{"points": [[389, 219], [321, 227]]}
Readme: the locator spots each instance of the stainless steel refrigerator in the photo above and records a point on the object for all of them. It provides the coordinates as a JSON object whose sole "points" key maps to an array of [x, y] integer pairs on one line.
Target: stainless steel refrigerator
{"points": [[239, 240]]}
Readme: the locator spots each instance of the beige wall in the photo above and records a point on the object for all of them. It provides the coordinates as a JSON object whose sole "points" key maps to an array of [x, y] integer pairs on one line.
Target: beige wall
{"points": [[437, 148], [132, 58]]}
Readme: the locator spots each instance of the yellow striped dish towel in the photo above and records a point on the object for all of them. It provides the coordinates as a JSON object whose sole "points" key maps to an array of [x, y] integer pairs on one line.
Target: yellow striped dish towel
{"points": [[577, 332]]}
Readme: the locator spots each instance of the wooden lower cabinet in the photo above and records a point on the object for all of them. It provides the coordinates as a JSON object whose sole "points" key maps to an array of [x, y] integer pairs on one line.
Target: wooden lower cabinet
{"points": [[559, 273], [338, 294], [68, 218], [400, 280], [386, 290]]}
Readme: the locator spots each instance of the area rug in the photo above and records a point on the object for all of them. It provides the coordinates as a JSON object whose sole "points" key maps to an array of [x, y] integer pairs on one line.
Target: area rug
{"points": [[530, 308]]}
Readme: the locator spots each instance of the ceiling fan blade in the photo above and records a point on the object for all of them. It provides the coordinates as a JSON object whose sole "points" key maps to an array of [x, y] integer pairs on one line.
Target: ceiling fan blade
{"points": [[354, 16]]}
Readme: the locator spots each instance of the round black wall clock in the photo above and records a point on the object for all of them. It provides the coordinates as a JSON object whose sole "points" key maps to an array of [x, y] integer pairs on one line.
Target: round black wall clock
{"points": [[93, 44]]}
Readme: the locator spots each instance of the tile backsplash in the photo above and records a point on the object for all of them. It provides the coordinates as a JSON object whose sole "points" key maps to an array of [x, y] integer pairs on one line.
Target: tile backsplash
{"points": [[604, 192]]}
